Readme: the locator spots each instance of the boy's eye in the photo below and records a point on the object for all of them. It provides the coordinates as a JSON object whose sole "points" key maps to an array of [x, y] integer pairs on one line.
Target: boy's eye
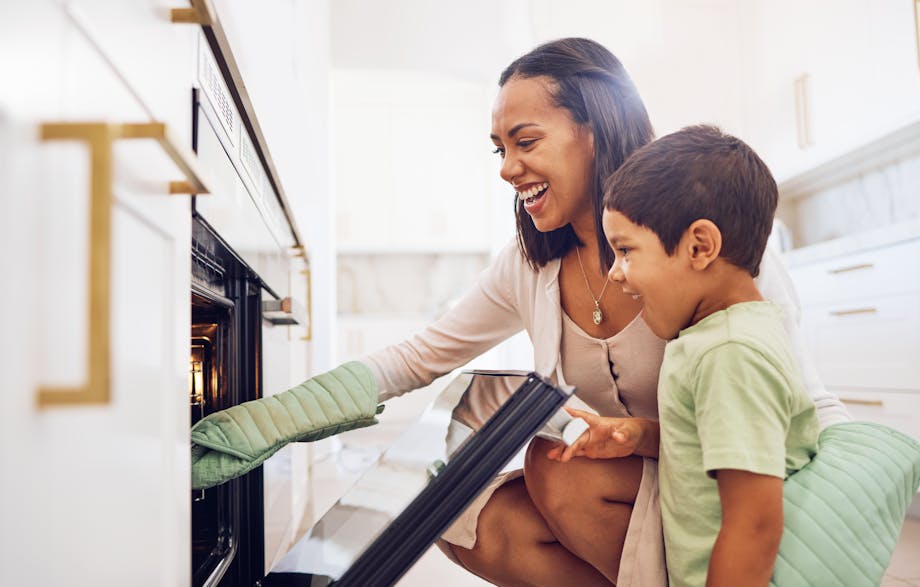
{"points": [[622, 251]]}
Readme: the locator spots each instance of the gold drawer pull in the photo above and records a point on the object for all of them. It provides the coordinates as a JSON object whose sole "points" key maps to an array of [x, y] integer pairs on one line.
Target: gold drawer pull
{"points": [[853, 311], [852, 267], [308, 274], [300, 251], [98, 137], [917, 27], [863, 402], [802, 114], [193, 184], [199, 13]]}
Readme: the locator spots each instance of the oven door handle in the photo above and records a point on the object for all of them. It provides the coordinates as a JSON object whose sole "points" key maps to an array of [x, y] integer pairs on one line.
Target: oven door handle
{"points": [[98, 137]]}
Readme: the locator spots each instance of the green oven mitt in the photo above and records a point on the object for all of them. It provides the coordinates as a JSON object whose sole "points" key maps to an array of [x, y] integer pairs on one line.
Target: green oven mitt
{"points": [[844, 510], [232, 442]]}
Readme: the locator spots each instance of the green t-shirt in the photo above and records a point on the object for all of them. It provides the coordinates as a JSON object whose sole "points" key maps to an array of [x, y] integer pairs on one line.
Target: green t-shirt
{"points": [[730, 396]]}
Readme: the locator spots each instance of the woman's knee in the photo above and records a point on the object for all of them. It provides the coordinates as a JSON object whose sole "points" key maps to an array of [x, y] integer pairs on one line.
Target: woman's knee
{"points": [[509, 521], [543, 479], [555, 487]]}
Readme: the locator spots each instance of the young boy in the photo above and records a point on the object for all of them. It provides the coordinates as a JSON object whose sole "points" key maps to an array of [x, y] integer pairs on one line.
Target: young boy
{"points": [[688, 217]]}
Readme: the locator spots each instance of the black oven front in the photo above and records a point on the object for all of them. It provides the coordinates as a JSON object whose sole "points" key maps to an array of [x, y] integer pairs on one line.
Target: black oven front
{"points": [[227, 520]]}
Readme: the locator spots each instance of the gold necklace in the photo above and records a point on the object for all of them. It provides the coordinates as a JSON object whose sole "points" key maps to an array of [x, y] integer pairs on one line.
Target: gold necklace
{"points": [[597, 314]]}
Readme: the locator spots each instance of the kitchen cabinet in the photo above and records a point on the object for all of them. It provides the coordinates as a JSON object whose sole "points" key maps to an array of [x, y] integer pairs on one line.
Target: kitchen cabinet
{"points": [[94, 493], [823, 78], [860, 300], [155, 56]]}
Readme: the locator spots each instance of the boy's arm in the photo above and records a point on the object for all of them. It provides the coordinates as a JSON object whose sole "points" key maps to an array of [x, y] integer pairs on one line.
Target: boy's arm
{"points": [[752, 526], [608, 438]]}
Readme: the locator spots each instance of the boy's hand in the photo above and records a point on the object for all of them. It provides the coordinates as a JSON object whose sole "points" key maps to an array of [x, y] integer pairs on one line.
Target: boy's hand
{"points": [[607, 438]]}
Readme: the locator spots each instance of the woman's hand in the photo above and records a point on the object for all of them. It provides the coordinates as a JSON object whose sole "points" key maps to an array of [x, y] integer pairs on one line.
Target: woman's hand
{"points": [[608, 438]]}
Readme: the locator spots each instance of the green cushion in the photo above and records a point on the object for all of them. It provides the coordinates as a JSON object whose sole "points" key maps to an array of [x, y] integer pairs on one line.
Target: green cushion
{"points": [[232, 442], [844, 510]]}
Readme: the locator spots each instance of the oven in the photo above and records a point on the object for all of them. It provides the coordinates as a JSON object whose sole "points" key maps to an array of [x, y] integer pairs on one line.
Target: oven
{"points": [[242, 345], [227, 527]]}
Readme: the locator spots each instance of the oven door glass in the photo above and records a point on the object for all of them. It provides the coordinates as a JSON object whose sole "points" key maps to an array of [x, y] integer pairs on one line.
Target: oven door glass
{"points": [[419, 486]]}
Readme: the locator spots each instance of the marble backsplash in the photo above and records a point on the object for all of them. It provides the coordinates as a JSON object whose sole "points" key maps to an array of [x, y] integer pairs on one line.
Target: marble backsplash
{"points": [[872, 200]]}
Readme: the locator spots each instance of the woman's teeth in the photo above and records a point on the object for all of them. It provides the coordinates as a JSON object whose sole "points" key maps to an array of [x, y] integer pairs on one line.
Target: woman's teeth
{"points": [[533, 192]]}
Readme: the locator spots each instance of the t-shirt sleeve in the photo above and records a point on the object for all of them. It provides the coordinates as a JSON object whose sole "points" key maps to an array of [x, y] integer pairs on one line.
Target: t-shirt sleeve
{"points": [[742, 410]]}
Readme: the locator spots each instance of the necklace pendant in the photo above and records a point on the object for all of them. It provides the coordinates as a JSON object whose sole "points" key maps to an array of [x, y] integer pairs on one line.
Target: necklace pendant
{"points": [[598, 316]]}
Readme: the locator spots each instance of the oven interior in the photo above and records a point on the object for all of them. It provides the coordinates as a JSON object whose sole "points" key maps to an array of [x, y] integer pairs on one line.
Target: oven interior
{"points": [[227, 520]]}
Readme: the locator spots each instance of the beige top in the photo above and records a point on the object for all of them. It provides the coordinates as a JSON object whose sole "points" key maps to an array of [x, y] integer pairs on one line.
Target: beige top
{"points": [[617, 376]]}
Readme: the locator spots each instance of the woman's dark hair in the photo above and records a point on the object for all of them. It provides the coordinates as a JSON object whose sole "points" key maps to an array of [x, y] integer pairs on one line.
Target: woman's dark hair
{"points": [[594, 87]]}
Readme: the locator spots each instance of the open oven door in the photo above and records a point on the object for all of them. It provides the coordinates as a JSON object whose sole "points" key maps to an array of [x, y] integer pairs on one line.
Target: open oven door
{"points": [[401, 505]]}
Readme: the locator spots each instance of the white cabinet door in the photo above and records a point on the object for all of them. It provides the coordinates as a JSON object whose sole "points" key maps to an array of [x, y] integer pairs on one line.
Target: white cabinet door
{"points": [[856, 63], [94, 494], [154, 56]]}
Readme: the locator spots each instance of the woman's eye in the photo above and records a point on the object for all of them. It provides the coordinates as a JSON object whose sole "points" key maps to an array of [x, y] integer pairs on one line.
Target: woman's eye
{"points": [[526, 143], [622, 252], [499, 151]]}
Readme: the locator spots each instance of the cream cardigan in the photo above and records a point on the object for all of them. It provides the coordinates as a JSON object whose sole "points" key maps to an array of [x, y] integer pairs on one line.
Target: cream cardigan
{"points": [[510, 296]]}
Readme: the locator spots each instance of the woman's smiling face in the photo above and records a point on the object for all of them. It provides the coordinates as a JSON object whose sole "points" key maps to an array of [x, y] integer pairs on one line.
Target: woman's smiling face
{"points": [[546, 156]]}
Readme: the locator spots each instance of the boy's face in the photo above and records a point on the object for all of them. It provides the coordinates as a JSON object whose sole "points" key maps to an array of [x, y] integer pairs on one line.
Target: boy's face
{"points": [[644, 270]]}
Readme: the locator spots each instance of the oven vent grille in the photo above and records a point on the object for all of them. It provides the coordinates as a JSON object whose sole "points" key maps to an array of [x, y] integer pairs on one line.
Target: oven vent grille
{"points": [[251, 165], [214, 89], [207, 269]]}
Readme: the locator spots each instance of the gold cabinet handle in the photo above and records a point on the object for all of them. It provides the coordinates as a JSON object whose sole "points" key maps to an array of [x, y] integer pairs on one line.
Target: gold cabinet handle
{"points": [[309, 276], [802, 114], [917, 28], [198, 13], [849, 268], [853, 311], [301, 251], [192, 184], [863, 402], [98, 137]]}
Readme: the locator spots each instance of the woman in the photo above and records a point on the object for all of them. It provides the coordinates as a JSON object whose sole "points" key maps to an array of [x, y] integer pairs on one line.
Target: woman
{"points": [[566, 117]]}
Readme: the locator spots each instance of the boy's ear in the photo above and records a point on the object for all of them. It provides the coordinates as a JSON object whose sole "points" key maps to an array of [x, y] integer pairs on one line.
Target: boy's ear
{"points": [[703, 243]]}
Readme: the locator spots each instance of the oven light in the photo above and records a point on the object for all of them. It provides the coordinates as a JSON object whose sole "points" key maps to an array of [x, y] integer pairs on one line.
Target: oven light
{"points": [[196, 384]]}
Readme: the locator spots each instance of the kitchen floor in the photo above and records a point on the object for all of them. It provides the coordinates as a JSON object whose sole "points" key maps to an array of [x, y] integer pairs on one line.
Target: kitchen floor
{"points": [[904, 568], [339, 462]]}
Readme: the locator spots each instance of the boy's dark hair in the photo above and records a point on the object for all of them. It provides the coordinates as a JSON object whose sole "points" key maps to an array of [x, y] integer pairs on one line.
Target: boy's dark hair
{"points": [[595, 88], [698, 172]]}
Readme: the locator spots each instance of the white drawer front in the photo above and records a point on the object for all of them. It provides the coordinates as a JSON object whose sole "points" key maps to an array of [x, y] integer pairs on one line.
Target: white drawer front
{"points": [[872, 344], [900, 411], [883, 271]]}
